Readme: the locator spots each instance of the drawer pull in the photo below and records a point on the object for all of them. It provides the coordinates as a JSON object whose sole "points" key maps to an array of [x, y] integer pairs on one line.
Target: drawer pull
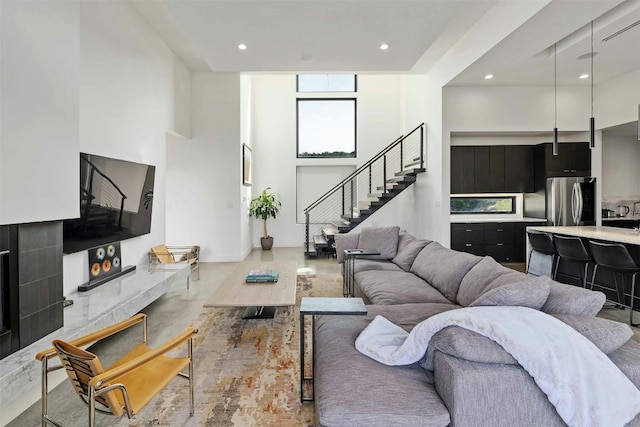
{"points": [[500, 244], [468, 230], [499, 229], [468, 245]]}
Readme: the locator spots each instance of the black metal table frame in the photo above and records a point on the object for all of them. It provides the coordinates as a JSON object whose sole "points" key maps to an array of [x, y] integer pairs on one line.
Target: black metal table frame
{"points": [[350, 256], [359, 310]]}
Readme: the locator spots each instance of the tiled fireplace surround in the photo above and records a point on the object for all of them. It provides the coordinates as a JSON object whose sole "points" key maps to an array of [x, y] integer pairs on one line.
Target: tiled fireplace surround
{"points": [[31, 283]]}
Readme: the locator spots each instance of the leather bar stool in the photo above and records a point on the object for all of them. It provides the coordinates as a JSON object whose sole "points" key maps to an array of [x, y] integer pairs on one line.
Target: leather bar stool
{"points": [[573, 250], [616, 258], [542, 243]]}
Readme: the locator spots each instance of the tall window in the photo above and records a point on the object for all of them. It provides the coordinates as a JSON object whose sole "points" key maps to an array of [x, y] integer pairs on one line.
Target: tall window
{"points": [[326, 127]]}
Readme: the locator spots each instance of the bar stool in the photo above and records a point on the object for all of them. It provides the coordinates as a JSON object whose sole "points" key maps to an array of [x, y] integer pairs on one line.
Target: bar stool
{"points": [[616, 258], [542, 243], [572, 249]]}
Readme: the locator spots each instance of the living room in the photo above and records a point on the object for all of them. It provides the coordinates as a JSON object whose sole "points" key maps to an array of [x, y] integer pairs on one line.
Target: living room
{"points": [[96, 77]]}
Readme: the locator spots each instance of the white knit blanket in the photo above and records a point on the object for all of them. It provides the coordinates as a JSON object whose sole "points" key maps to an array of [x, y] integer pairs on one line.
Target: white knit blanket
{"points": [[585, 387]]}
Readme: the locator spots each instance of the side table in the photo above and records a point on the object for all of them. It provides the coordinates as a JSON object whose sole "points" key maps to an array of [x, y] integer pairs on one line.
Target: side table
{"points": [[350, 256], [312, 306]]}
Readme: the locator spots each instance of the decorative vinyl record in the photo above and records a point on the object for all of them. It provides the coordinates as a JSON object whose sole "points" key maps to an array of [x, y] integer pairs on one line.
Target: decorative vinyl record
{"points": [[104, 260]]}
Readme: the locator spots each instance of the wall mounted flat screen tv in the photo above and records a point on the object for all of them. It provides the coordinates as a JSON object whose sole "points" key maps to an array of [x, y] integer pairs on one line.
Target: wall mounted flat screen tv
{"points": [[116, 201]]}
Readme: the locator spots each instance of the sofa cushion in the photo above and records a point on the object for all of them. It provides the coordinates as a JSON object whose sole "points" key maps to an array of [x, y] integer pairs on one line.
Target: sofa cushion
{"points": [[478, 278], [569, 299], [363, 264], [443, 268], [531, 293], [396, 287], [345, 241], [407, 316], [408, 248], [607, 335], [381, 239], [352, 389]]}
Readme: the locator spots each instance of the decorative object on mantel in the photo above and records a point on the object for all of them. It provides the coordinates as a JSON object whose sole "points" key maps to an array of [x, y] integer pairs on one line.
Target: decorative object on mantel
{"points": [[104, 265], [555, 99], [265, 206]]}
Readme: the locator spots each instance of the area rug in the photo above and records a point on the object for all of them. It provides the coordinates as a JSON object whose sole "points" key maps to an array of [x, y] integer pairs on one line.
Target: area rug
{"points": [[247, 372]]}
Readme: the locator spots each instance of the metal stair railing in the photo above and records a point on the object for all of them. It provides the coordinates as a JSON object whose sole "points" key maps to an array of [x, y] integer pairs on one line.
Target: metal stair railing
{"points": [[377, 180]]}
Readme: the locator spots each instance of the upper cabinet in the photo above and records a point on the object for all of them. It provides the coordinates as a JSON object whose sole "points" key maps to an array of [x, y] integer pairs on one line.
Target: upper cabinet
{"points": [[492, 169], [573, 159]]}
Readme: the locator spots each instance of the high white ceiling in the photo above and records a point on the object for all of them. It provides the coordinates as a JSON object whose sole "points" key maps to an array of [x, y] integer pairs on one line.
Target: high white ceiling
{"points": [[342, 35]]}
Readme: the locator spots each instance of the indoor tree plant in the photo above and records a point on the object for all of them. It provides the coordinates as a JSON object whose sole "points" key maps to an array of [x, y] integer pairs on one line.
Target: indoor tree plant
{"points": [[265, 206]]}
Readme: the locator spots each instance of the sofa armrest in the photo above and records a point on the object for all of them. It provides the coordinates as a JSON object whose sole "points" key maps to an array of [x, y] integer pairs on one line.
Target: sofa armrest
{"points": [[345, 241]]}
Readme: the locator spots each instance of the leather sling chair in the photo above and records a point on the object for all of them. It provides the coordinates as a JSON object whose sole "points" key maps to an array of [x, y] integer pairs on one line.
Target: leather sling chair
{"points": [[127, 385]]}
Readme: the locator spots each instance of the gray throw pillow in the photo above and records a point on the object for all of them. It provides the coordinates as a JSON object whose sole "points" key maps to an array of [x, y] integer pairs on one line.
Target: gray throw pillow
{"points": [[408, 248], [380, 239], [607, 335], [478, 279], [443, 268], [345, 241], [569, 299], [530, 293]]}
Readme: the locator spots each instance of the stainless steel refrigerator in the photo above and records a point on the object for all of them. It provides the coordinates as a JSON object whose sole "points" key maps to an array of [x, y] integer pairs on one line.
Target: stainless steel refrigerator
{"points": [[571, 201]]}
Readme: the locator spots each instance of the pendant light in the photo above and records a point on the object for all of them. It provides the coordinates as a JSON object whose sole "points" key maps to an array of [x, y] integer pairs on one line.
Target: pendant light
{"points": [[592, 120], [555, 100]]}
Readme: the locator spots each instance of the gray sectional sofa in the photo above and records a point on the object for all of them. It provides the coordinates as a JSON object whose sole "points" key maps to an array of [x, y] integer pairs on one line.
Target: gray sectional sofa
{"points": [[474, 382]]}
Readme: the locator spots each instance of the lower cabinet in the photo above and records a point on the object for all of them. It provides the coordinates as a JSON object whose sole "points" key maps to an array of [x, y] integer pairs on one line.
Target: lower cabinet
{"points": [[504, 241]]}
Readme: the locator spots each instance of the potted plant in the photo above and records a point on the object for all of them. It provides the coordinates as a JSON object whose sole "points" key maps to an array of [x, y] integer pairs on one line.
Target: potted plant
{"points": [[265, 206]]}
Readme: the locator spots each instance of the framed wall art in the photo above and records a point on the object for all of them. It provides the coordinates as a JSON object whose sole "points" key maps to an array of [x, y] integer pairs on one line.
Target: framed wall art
{"points": [[246, 165]]}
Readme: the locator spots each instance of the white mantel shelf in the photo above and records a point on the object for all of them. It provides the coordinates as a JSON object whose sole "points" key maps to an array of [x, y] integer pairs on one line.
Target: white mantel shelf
{"points": [[609, 234], [103, 306]]}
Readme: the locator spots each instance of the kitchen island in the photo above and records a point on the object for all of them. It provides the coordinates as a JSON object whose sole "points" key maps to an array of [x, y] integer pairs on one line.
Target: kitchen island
{"points": [[605, 282]]}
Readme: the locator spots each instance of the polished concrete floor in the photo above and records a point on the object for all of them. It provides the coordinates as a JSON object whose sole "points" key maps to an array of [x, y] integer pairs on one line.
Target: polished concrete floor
{"points": [[175, 310]]}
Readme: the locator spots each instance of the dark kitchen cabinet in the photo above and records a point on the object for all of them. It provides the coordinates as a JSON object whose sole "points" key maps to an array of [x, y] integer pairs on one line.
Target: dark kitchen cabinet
{"points": [[573, 159], [462, 170], [492, 169], [519, 169], [504, 241]]}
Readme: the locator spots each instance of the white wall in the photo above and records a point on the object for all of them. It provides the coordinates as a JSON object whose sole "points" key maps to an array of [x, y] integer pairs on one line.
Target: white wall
{"points": [[204, 177], [127, 92], [39, 74], [621, 174], [379, 122]]}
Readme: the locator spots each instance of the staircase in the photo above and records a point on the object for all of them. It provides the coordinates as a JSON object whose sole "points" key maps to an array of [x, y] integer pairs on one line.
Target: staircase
{"points": [[362, 193]]}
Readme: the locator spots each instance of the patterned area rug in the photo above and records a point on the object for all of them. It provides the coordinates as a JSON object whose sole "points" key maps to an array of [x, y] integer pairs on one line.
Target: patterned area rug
{"points": [[247, 371]]}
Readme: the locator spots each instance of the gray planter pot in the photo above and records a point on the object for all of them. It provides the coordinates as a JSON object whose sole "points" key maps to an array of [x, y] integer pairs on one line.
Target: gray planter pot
{"points": [[266, 243]]}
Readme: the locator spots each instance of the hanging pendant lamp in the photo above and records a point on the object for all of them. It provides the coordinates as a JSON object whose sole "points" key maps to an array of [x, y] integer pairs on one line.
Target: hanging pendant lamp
{"points": [[555, 100], [592, 120]]}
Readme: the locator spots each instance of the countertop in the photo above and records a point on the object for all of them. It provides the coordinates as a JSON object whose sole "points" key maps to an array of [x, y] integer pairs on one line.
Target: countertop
{"points": [[622, 218], [462, 219], [609, 234]]}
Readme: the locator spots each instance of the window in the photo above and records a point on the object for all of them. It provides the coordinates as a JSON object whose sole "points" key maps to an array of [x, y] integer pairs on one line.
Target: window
{"points": [[326, 82], [483, 205], [326, 127]]}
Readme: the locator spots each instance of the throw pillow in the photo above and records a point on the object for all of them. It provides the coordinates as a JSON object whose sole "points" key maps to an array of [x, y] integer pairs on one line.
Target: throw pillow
{"points": [[569, 299], [530, 293], [607, 335], [408, 248], [443, 268], [381, 239], [345, 241], [478, 279]]}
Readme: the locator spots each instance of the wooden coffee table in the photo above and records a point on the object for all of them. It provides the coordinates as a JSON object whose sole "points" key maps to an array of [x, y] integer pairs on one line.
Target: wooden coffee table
{"points": [[261, 299]]}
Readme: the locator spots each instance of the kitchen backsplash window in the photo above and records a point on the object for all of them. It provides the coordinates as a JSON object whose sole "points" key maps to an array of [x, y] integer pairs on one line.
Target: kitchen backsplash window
{"points": [[483, 205]]}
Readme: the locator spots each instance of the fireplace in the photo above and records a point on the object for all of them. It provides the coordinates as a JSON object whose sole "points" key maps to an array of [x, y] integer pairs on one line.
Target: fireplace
{"points": [[31, 283]]}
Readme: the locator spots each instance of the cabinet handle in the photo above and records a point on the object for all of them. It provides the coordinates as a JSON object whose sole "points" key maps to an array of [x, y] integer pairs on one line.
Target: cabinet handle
{"points": [[467, 245], [500, 244], [499, 229], [573, 170], [468, 230], [566, 171]]}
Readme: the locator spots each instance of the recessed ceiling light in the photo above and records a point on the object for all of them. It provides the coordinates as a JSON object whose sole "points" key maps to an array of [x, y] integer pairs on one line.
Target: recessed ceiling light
{"points": [[583, 76], [306, 57], [488, 77], [242, 46], [384, 46]]}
